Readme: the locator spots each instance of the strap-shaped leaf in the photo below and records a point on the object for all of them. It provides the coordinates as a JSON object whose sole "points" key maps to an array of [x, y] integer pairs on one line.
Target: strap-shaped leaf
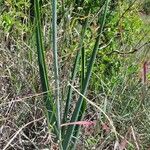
{"points": [[76, 112]]}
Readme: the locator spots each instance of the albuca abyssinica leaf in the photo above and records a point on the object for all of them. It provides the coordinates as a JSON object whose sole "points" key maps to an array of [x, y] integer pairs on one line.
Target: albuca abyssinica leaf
{"points": [[74, 118], [56, 66], [42, 66]]}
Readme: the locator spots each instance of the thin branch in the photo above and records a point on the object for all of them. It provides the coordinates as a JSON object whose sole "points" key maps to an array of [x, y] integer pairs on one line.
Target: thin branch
{"points": [[130, 52]]}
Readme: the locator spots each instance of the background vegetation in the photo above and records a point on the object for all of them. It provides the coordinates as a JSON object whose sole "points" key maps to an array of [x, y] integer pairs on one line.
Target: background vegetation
{"points": [[115, 85]]}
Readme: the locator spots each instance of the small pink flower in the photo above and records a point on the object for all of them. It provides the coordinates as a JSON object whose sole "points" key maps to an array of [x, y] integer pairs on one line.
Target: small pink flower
{"points": [[83, 123]]}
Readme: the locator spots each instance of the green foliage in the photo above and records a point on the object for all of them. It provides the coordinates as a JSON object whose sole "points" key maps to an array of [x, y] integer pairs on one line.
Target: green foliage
{"points": [[14, 18], [122, 34], [42, 68], [53, 110]]}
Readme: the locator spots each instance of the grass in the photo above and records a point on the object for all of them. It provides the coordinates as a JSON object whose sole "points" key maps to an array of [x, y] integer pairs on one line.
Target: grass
{"points": [[38, 94]]}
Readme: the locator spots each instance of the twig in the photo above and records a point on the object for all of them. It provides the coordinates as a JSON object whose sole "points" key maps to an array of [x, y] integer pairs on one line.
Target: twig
{"points": [[130, 52], [134, 137]]}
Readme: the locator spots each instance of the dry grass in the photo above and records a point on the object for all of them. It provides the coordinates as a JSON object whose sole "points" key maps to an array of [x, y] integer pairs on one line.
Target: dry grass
{"points": [[20, 105], [23, 125]]}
